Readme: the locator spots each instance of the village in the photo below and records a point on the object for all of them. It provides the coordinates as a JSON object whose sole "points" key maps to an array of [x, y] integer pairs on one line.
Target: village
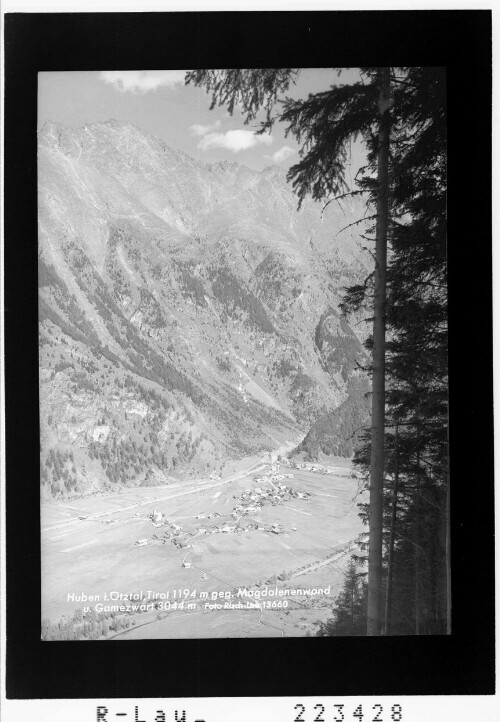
{"points": [[258, 529], [268, 490]]}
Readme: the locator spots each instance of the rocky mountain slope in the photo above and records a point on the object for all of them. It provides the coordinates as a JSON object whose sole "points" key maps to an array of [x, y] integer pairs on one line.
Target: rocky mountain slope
{"points": [[188, 311]]}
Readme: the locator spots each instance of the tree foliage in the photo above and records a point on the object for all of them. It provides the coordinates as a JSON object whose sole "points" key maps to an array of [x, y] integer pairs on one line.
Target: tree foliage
{"points": [[349, 617], [416, 493], [416, 515]]}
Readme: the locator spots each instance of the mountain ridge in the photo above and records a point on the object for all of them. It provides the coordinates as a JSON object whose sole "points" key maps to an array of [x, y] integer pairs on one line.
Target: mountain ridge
{"points": [[179, 309]]}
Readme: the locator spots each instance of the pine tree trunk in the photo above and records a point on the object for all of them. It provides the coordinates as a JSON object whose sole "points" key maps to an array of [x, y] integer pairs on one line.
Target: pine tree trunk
{"points": [[375, 606], [448, 562], [352, 610], [434, 565], [417, 558], [390, 556]]}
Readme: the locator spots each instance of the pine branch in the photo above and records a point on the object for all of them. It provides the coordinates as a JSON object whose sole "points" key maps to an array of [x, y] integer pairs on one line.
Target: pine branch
{"points": [[339, 198], [356, 223]]}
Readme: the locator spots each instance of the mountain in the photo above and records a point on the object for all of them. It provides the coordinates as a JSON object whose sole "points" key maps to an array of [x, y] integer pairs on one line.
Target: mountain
{"points": [[188, 311]]}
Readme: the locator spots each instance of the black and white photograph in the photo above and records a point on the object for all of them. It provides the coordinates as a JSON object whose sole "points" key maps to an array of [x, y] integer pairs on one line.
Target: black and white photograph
{"points": [[248, 365], [243, 353]]}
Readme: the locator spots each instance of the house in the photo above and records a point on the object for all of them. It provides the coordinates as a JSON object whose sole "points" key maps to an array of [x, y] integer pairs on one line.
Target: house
{"points": [[141, 542]]}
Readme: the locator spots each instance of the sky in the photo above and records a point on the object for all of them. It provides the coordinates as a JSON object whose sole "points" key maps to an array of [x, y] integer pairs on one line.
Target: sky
{"points": [[158, 102]]}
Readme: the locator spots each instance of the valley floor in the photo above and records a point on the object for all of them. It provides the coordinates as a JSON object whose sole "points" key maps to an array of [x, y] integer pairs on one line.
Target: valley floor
{"points": [[192, 585]]}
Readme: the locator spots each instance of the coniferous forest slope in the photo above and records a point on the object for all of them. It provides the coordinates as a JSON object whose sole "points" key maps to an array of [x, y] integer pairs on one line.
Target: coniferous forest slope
{"points": [[189, 313]]}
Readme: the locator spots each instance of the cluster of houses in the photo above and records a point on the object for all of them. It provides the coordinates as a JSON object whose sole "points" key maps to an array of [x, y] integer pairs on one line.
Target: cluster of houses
{"points": [[253, 499], [176, 536], [173, 533], [249, 502], [181, 539], [323, 470], [309, 467], [213, 515], [272, 477], [240, 528], [157, 518]]}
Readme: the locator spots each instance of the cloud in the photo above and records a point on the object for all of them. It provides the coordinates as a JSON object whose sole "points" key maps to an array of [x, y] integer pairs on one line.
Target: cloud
{"points": [[281, 154], [142, 81], [233, 140], [203, 129]]}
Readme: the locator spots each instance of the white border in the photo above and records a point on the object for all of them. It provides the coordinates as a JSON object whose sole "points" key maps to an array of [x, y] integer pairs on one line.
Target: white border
{"points": [[53, 6], [415, 708]]}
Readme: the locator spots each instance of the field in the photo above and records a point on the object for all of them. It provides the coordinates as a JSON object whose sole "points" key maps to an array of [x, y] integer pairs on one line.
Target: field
{"points": [[98, 555]]}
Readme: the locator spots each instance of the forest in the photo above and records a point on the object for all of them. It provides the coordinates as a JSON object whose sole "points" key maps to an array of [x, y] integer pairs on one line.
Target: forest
{"points": [[400, 582]]}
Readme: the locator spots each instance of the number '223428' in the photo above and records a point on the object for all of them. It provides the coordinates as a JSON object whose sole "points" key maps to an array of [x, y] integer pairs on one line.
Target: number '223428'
{"points": [[339, 713]]}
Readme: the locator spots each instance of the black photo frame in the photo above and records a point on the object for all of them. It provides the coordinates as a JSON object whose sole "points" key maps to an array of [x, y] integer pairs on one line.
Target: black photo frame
{"points": [[462, 663]]}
